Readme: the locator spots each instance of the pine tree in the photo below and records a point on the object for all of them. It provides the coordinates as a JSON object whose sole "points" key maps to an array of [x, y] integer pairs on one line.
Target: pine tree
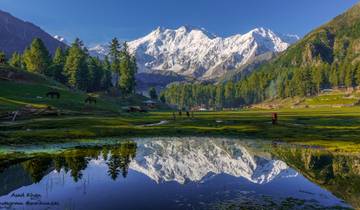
{"points": [[133, 71], [349, 76], [96, 74], [153, 94], [229, 93], [318, 78], [106, 63], [127, 72], [75, 67], [2, 58], [219, 100], [59, 57], [82, 77], [37, 57], [162, 98], [334, 76], [56, 70], [106, 80], [16, 60], [114, 56]]}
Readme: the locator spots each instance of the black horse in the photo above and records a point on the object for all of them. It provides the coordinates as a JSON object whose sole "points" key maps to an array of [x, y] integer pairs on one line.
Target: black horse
{"points": [[53, 94], [90, 100]]}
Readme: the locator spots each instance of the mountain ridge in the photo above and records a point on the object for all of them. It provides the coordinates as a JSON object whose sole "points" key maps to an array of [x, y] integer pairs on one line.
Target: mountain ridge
{"points": [[193, 51], [17, 34]]}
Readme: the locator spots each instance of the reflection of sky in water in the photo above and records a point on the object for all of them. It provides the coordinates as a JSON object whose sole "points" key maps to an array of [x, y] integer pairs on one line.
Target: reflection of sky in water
{"points": [[96, 190]]}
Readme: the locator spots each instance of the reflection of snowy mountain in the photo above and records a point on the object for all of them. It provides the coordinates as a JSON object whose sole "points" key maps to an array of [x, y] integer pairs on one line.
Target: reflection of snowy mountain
{"points": [[193, 160]]}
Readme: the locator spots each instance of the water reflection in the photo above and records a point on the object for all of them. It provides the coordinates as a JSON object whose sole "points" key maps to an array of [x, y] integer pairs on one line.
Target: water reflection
{"points": [[339, 173], [72, 161], [194, 159], [174, 173]]}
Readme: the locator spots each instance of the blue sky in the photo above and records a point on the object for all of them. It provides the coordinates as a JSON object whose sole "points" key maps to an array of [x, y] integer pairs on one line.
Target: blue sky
{"points": [[97, 21]]}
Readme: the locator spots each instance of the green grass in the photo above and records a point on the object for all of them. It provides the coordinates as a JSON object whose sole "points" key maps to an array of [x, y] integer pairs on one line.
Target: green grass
{"points": [[31, 89], [15, 96], [333, 99], [331, 127], [336, 98], [319, 125]]}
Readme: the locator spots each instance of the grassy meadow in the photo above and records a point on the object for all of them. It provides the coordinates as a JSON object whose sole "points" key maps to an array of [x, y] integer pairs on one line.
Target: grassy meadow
{"points": [[330, 127], [30, 89], [330, 120]]}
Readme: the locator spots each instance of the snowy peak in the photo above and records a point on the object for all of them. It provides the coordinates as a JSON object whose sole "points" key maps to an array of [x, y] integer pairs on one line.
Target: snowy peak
{"points": [[193, 29], [99, 50], [61, 39], [268, 40], [182, 30], [193, 51]]}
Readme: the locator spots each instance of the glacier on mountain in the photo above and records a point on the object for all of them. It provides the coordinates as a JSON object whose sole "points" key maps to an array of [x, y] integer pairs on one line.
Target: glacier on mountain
{"points": [[195, 52]]}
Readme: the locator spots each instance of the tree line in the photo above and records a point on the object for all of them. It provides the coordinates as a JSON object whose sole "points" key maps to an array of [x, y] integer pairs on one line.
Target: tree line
{"points": [[266, 83], [75, 68], [75, 161]]}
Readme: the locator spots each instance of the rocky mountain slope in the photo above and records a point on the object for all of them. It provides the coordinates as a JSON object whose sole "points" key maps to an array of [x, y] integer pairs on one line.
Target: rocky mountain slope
{"points": [[16, 35], [336, 42]]}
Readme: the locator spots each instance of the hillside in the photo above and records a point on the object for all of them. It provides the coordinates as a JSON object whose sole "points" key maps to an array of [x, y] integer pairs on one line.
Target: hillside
{"points": [[17, 34], [334, 42], [24, 90], [327, 57]]}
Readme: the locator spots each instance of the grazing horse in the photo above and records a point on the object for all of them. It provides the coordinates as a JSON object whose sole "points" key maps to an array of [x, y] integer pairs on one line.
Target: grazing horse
{"points": [[53, 94], [90, 100]]}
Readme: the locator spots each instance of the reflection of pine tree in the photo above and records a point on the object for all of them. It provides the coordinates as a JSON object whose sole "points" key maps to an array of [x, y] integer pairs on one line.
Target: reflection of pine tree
{"points": [[124, 165], [38, 167], [113, 164], [105, 153], [76, 160], [120, 159], [127, 151], [76, 165], [59, 163]]}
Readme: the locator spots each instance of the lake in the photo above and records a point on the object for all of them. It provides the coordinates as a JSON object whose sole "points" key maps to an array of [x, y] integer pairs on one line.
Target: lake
{"points": [[178, 173]]}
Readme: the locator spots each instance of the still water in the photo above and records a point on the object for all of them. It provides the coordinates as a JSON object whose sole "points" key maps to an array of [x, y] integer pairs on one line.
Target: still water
{"points": [[178, 173]]}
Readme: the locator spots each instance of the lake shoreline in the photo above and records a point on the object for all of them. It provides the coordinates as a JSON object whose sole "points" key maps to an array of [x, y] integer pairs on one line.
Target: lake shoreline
{"points": [[333, 128]]}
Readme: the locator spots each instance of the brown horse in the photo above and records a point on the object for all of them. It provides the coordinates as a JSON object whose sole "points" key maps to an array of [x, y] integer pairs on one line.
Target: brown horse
{"points": [[53, 94], [90, 100]]}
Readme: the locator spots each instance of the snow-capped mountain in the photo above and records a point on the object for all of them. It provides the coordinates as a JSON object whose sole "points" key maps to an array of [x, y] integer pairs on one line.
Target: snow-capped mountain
{"points": [[99, 50], [61, 39], [184, 160], [195, 52]]}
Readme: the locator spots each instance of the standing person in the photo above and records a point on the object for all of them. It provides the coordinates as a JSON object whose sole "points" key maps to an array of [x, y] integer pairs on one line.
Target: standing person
{"points": [[274, 118]]}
